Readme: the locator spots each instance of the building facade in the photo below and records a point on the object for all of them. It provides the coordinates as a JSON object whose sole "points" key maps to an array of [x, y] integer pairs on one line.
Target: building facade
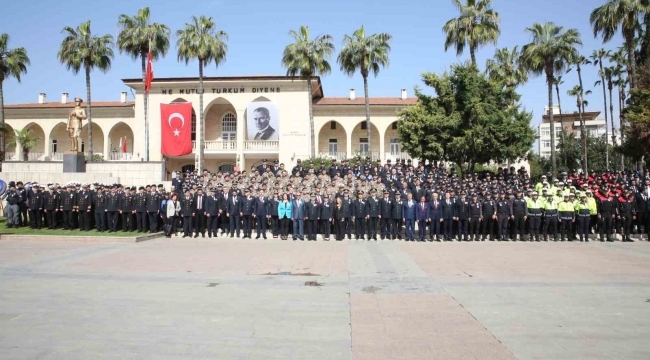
{"points": [[570, 124], [231, 137]]}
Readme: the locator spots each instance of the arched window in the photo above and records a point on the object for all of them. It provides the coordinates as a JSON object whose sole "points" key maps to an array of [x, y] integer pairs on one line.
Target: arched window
{"points": [[227, 168], [229, 127], [187, 168]]}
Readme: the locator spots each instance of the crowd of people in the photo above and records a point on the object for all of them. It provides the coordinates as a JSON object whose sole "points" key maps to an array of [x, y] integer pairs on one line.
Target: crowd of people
{"points": [[364, 201]]}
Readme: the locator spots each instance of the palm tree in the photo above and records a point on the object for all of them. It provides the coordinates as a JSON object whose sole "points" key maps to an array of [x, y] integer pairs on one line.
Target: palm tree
{"points": [[26, 141], [13, 63], [137, 36], [368, 54], [557, 82], [610, 73], [80, 49], [627, 14], [476, 25], [506, 68], [307, 57], [577, 91], [597, 57], [202, 41], [551, 48]]}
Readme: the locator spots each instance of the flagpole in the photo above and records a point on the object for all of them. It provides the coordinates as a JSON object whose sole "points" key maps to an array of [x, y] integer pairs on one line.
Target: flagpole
{"points": [[146, 110]]}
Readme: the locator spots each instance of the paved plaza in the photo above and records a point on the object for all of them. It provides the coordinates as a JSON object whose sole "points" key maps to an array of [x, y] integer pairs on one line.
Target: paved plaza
{"points": [[255, 299]]}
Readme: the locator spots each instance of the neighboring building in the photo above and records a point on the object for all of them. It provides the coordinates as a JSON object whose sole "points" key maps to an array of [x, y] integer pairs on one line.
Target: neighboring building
{"points": [[340, 128], [570, 122]]}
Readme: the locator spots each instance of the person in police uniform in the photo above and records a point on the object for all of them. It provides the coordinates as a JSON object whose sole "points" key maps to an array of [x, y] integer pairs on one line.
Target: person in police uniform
{"points": [[385, 209], [372, 214], [312, 214], [326, 216], [261, 214], [52, 202], [187, 210], [112, 208], [247, 207], [84, 205]]}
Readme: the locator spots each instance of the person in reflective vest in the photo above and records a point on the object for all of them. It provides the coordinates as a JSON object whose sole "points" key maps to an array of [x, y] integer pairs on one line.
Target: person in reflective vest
{"points": [[567, 217], [534, 207], [584, 218], [550, 217], [593, 210]]}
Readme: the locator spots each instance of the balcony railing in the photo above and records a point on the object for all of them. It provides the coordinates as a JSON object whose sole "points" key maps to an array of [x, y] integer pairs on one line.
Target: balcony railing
{"points": [[218, 145], [119, 156], [261, 145], [334, 155], [394, 155], [10, 156], [35, 156], [374, 155]]}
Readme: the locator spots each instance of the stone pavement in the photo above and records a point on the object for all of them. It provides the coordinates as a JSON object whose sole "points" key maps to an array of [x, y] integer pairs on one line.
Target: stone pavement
{"points": [[249, 299]]}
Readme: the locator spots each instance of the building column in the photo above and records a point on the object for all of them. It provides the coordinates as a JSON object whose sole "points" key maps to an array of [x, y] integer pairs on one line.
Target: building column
{"points": [[382, 153], [241, 136], [348, 147], [107, 145], [47, 149]]}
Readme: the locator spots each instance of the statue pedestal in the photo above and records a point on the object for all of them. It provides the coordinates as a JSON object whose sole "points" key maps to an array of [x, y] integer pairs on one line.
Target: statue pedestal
{"points": [[74, 162]]}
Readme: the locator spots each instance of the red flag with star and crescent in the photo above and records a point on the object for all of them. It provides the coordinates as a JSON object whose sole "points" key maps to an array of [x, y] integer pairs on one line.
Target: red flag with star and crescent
{"points": [[149, 75], [176, 129]]}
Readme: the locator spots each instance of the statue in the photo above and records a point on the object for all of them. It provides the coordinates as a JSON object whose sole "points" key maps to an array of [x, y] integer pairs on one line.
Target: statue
{"points": [[77, 115]]}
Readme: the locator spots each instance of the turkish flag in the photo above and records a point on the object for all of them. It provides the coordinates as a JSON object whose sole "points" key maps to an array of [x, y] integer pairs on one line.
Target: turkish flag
{"points": [[176, 129], [149, 75]]}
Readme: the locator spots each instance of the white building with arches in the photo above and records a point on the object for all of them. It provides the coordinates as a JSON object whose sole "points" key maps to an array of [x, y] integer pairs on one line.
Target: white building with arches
{"points": [[340, 127]]}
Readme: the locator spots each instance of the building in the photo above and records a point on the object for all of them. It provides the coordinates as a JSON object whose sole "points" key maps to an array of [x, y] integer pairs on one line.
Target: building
{"points": [[340, 128], [570, 123]]}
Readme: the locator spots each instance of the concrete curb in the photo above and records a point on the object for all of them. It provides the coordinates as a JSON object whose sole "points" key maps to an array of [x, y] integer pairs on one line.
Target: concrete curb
{"points": [[123, 239]]}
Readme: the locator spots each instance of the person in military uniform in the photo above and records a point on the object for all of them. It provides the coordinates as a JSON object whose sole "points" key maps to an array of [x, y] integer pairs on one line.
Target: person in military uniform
{"points": [[475, 218], [359, 214], [67, 207], [127, 209], [100, 210], [141, 209], [52, 202], [187, 211], [13, 207], [489, 217], [385, 209], [152, 206], [261, 214], [347, 213], [212, 213], [35, 205], [373, 214], [607, 212], [113, 200], [627, 214], [504, 213], [84, 204], [462, 216], [519, 213], [246, 212], [326, 215], [312, 216]]}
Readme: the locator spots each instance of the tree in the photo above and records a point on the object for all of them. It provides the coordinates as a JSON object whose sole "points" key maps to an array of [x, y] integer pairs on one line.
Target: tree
{"points": [[80, 49], [551, 48], [307, 58], [627, 14], [580, 103], [26, 141], [368, 54], [13, 63], [557, 82], [137, 36], [201, 40], [569, 148], [466, 122], [476, 25], [506, 68], [636, 144]]}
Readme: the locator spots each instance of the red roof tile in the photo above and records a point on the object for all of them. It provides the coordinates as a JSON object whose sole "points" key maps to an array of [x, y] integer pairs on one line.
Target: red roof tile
{"points": [[49, 105], [362, 101]]}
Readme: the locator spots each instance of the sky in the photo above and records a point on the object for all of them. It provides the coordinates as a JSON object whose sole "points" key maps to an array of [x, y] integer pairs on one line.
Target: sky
{"points": [[258, 32]]}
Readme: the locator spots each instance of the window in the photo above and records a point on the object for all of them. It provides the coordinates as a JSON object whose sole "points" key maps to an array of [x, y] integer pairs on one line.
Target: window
{"points": [[364, 125], [229, 127], [546, 144], [546, 132], [363, 145], [332, 125], [54, 146], [83, 146], [187, 168], [394, 146], [394, 125], [227, 168], [333, 147]]}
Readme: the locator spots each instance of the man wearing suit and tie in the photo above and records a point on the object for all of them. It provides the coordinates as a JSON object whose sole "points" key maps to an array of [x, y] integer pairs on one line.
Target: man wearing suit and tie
{"points": [[262, 120], [232, 212], [261, 214], [408, 216], [246, 211], [200, 200], [298, 216], [422, 216], [435, 217], [448, 211]]}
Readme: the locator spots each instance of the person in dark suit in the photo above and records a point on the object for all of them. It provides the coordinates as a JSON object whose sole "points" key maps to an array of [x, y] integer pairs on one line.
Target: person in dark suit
{"points": [[212, 213], [187, 210], [435, 217], [373, 214], [262, 168], [385, 207], [233, 211], [462, 215], [246, 210], [422, 216], [100, 210], [35, 205], [261, 214], [338, 218], [408, 216], [326, 214], [83, 208], [448, 211], [312, 216], [347, 213], [113, 200], [262, 120], [298, 216], [272, 214], [152, 204], [200, 201], [642, 201], [177, 182]]}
